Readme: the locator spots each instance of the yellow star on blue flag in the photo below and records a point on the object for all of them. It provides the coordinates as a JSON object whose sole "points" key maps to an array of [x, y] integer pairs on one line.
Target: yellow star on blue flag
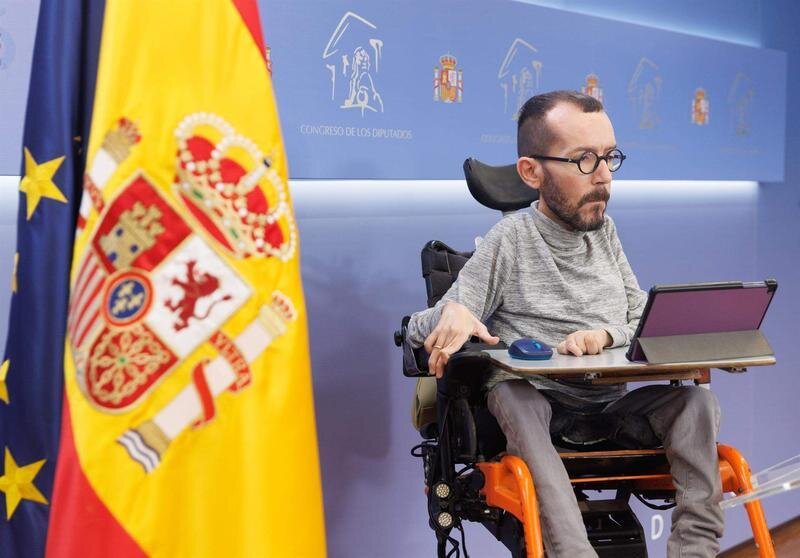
{"points": [[38, 181], [3, 387], [17, 483]]}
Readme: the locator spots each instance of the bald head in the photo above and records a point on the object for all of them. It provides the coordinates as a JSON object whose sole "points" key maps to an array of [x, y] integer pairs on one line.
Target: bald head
{"points": [[534, 134]]}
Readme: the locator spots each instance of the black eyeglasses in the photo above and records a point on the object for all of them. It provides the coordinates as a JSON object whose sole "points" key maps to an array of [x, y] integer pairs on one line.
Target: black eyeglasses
{"points": [[589, 160]]}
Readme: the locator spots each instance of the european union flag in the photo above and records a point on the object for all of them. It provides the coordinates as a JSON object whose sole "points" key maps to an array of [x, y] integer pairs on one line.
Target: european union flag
{"points": [[31, 375]]}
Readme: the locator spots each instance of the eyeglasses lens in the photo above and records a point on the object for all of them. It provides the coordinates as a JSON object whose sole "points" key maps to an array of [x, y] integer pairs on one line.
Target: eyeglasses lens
{"points": [[614, 160], [589, 161]]}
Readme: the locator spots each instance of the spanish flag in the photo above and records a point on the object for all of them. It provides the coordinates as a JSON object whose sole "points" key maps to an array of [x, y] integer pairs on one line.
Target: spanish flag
{"points": [[188, 421]]}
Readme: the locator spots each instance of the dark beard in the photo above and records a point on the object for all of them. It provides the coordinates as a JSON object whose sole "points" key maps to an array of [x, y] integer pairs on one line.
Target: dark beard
{"points": [[553, 196]]}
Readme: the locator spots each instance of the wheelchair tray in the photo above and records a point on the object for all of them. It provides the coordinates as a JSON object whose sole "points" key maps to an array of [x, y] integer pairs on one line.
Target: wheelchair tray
{"points": [[611, 366]]}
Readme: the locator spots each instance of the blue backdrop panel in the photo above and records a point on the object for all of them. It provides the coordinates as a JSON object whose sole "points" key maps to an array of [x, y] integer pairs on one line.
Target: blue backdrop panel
{"points": [[409, 89], [17, 32]]}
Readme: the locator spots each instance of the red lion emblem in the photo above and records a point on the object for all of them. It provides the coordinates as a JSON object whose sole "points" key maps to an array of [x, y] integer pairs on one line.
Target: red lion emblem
{"points": [[196, 286]]}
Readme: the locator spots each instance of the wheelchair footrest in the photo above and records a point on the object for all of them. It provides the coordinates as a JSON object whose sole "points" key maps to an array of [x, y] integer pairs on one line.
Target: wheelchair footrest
{"points": [[613, 529]]}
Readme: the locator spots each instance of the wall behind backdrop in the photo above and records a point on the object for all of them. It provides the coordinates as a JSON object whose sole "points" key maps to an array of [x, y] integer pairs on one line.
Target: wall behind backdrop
{"points": [[361, 241]]}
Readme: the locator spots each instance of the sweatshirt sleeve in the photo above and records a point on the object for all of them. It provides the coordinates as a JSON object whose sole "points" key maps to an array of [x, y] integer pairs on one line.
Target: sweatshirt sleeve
{"points": [[479, 285], [622, 335]]}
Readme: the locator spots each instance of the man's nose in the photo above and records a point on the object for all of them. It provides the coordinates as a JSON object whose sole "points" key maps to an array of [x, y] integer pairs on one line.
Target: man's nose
{"points": [[602, 174]]}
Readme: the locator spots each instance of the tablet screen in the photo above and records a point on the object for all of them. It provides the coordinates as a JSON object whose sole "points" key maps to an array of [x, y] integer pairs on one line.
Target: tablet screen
{"points": [[703, 308]]}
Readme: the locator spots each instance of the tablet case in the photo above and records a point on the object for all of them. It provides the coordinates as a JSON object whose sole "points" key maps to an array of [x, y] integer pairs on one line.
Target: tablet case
{"points": [[699, 346]]}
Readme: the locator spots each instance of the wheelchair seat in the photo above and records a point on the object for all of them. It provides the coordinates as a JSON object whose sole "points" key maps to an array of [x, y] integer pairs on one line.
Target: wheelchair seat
{"points": [[467, 473]]}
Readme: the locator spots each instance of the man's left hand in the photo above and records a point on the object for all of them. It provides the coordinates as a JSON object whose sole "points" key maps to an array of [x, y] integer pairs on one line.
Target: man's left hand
{"points": [[585, 342]]}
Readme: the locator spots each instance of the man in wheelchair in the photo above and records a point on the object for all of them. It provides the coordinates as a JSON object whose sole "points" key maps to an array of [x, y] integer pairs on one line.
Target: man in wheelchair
{"points": [[558, 273]]}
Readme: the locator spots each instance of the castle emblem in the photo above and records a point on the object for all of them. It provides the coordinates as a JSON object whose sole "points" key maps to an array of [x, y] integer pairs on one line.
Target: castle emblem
{"points": [[352, 57], [592, 87], [448, 80], [644, 91], [135, 232], [519, 76], [700, 107], [740, 101]]}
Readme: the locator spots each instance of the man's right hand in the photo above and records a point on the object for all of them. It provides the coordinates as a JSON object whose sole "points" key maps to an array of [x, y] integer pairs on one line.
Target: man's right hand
{"points": [[456, 325]]}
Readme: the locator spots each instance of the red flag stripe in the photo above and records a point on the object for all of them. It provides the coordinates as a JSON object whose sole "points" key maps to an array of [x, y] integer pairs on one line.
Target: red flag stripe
{"points": [[87, 328], [86, 300], [249, 12], [87, 265], [80, 524], [88, 271]]}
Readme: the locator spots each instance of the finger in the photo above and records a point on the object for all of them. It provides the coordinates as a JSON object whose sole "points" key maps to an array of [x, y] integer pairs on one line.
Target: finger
{"points": [[601, 339], [435, 355], [562, 348], [433, 339], [437, 365], [454, 341], [592, 346], [432, 362], [429, 341], [574, 348], [442, 364], [484, 335]]}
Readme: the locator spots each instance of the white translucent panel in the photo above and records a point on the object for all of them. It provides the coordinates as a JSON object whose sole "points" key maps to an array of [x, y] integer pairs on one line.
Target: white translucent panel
{"points": [[779, 478]]}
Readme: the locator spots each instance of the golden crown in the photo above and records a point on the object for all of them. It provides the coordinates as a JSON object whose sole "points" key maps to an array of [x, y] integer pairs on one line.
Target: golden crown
{"points": [[448, 62], [119, 141], [278, 314], [250, 212]]}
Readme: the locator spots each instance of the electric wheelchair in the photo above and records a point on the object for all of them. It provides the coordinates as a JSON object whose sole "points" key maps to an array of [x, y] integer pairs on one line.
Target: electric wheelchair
{"points": [[468, 477]]}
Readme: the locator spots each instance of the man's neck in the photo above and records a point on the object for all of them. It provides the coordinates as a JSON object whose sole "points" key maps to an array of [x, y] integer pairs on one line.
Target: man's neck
{"points": [[547, 212]]}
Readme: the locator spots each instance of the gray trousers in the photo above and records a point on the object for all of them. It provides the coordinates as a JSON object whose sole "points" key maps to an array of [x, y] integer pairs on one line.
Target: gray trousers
{"points": [[685, 419]]}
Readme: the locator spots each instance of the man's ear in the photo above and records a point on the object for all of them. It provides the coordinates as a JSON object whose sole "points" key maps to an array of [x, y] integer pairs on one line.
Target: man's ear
{"points": [[530, 171]]}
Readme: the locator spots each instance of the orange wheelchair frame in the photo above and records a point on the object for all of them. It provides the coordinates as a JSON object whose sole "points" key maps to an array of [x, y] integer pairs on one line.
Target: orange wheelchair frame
{"points": [[509, 486]]}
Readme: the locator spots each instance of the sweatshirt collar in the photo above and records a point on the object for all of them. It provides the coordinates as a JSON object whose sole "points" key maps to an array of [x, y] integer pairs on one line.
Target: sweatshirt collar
{"points": [[554, 234]]}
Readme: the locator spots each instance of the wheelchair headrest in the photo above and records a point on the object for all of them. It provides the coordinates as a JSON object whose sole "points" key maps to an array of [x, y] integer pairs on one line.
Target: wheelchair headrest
{"points": [[498, 188]]}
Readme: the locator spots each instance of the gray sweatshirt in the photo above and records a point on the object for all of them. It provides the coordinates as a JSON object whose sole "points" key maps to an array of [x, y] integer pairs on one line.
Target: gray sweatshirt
{"points": [[530, 277]]}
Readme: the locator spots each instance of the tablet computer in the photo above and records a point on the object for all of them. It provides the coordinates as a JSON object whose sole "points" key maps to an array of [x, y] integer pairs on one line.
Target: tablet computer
{"points": [[702, 308]]}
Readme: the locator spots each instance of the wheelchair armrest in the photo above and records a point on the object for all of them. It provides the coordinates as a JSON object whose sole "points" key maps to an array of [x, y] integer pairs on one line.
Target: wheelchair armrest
{"points": [[415, 361]]}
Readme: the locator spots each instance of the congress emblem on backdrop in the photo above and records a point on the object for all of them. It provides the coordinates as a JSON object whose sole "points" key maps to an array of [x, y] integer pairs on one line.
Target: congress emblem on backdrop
{"points": [[740, 100], [591, 87], [448, 80], [519, 76], [644, 90], [700, 107], [352, 58]]}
